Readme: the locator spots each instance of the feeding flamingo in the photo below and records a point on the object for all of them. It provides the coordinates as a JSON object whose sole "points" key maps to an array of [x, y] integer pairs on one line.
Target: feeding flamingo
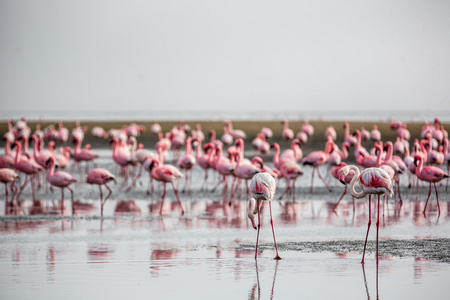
{"points": [[316, 159], [263, 188], [372, 181]]}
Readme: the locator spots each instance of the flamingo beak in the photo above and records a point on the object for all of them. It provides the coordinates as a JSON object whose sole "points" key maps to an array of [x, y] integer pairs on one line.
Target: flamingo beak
{"points": [[254, 224], [342, 178]]}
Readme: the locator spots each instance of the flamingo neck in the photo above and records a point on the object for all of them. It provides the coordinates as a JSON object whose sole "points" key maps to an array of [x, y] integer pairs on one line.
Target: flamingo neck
{"points": [[354, 193]]}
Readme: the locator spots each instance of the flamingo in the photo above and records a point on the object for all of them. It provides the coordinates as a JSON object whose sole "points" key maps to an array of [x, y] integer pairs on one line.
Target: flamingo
{"points": [[348, 138], [288, 134], [235, 133], [316, 159], [100, 177], [347, 179], [61, 159], [372, 181], [290, 170], [122, 156], [307, 128], [331, 132], [243, 170], [375, 134], [60, 179], [203, 160], [165, 173], [27, 166], [267, 132], [429, 174], [156, 128], [9, 176], [263, 188], [186, 163], [80, 155], [224, 167]]}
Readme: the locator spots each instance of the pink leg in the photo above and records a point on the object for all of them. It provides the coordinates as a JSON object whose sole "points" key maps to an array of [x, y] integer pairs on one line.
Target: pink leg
{"points": [[101, 200], [378, 222], [437, 199], [342, 196], [273, 231], [259, 226], [107, 196], [368, 227], [178, 198], [71, 199], [324, 182], [312, 180], [162, 201], [429, 193], [62, 201]]}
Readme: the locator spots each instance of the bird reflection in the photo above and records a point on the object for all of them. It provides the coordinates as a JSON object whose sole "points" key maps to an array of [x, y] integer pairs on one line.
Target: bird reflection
{"points": [[365, 282], [257, 286]]}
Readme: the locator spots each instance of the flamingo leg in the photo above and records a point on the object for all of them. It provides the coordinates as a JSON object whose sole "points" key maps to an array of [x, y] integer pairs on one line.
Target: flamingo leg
{"points": [[62, 200], [273, 231], [324, 182], [178, 198], [312, 180], [162, 201], [135, 179], [437, 199], [293, 189], [368, 228], [378, 222], [429, 193], [342, 196], [259, 226], [71, 199], [101, 200]]}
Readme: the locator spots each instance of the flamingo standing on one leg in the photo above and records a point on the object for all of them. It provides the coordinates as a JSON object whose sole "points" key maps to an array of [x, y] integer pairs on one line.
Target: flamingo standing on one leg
{"points": [[429, 174], [166, 173], [263, 189], [372, 181], [100, 177], [62, 180]]}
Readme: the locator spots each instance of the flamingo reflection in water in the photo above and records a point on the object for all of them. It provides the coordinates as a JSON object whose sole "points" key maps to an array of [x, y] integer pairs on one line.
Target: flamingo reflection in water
{"points": [[263, 188]]}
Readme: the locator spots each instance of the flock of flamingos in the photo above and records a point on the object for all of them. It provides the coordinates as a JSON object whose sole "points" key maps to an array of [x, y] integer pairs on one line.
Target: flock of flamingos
{"points": [[377, 171]]}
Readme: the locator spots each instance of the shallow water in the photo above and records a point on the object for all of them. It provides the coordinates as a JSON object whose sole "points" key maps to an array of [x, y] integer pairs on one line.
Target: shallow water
{"points": [[209, 252]]}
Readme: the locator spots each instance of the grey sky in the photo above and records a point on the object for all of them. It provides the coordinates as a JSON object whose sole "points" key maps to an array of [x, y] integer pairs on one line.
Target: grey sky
{"points": [[264, 55]]}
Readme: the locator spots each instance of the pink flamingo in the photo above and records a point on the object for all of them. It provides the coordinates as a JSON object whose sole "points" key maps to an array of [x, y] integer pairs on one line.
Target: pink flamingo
{"points": [[243, 170], [100, 177], [267, 132], [429, 174], [156, 128], [263, 189], [203, 160], [346, 180], [165, 173], [62, 180], [186, 163], [7, 160], [61, 159], [225, 167], [372, 181], [350, 139], [307, 128], [375, 134], [235, 133], [80, 155], [330, 132], [122, 157], [288, 134], [316, 159], [9, 176], [290, 170], [27, 166]]}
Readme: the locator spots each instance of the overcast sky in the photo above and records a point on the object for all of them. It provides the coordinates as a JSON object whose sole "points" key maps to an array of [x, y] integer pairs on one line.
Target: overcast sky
{"points": [[227, 55]]}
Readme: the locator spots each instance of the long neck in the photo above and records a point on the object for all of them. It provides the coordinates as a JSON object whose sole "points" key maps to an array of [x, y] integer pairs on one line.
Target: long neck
{"points": [[18, 149], [380, 152], [52, 168], [276, 157], [389, 151], [354, 193]]}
